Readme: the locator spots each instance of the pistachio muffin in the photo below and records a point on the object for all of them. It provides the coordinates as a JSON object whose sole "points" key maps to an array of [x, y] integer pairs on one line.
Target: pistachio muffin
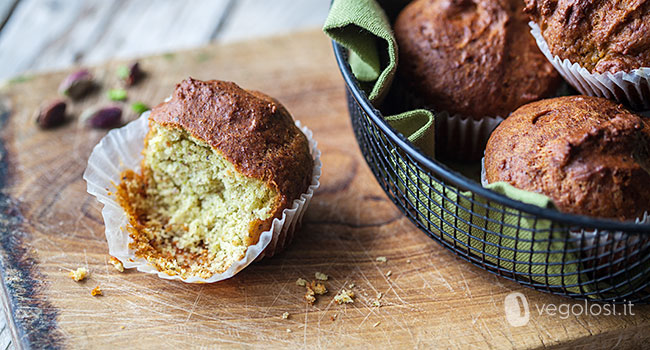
{"points": [[589, 154], [220, 163], [601, 36], [475, 58]]}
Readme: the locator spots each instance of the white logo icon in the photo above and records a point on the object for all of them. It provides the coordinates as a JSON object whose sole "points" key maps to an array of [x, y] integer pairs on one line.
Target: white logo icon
{"points": [[517, 311]]}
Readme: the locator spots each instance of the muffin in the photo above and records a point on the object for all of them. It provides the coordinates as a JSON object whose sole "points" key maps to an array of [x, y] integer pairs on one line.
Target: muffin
{"points": [[601, 36], [589, 154], [602, 48], [473, 59], [220, 164]]}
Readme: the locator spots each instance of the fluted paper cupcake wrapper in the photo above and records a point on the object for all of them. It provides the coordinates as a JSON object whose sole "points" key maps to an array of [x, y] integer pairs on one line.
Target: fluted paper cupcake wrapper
{"points": [[121, 149], [606, 240], [465, 137], [631, 88], [457, 136]]}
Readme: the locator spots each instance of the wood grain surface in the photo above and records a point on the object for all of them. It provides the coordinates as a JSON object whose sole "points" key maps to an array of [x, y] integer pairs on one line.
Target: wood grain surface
{"points": [[53, 34], [49, 225]]}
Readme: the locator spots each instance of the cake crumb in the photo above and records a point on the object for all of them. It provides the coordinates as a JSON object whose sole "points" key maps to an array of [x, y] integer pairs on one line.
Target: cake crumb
{"points": [[344, 297], [289, 330], [389, 273], [318, 288], [301, 282], [79, 274], [122, 327], [382, 259], [376, 324], [408, 261], [117, 264], [309, 296], [285, 315], [321, 276], [333, 318], [96, 292], [376, 303], [351, 285], [379, 295]]}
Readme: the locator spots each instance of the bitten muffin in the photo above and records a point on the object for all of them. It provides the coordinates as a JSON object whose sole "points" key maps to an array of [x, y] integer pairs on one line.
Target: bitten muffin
{"points": [[475, 58], [601, 36], [588, 154], [220, 163]]}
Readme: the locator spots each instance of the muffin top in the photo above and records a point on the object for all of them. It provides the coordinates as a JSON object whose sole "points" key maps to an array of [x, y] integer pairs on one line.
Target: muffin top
{"points": [[252, 130], [601, 36], [471, 57], [590, 155]]}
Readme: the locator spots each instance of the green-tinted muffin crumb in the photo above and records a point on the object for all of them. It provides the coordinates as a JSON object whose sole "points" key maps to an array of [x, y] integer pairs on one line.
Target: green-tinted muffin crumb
{"points": [[197, 209], [117, 94], [139, 107]]}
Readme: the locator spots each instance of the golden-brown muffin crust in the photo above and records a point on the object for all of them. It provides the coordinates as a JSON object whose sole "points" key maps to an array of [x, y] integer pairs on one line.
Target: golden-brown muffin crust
{"points": [[599, 35], [589, 154], [252, 130], [471, 57]]}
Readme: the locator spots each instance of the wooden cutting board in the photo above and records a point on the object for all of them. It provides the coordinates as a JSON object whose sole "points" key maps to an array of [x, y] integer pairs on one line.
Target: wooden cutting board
{"points": [[49, 225]]}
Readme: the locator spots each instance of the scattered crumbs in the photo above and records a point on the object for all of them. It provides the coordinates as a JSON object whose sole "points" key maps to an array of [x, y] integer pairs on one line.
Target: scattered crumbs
{"points": [[301, 282], [122, 72], [389, 273], [117, 94], [139, 107], [382, 259], [344, 297], [79, 274], [379, 295], [288, 330], [309, 296], [117, 264], [122, 327], [285, 315], [96, 292], [376, 324], [376, 303], [318, 287], [351, 285], [408, 261], [321, 276]]}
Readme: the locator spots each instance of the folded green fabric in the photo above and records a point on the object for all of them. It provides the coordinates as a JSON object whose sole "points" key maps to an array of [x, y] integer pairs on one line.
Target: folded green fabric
{"points": [[362, 27], [535, 249]]}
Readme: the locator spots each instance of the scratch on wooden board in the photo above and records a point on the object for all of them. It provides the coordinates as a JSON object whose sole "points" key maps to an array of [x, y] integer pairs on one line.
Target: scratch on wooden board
{"points": [[196, 302], [469, 292], [34, 319]]}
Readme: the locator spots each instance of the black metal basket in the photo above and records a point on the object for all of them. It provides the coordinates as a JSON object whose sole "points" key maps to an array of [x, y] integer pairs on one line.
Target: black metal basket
{"points": [[576, 256]]}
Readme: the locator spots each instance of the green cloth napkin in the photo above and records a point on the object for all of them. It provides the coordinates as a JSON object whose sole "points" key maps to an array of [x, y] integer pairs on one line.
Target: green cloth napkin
{"points": [[364, 28]]}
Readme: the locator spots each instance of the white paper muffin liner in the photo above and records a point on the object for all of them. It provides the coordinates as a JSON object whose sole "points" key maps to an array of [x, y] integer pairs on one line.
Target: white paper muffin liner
{"points": [[607, 241], [457, 136], [632, 88], [465, 136], [121, 149]]}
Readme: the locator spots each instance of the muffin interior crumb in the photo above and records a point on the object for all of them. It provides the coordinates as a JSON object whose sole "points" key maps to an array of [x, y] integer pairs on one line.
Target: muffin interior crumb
{"points": [[191, 211]]}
